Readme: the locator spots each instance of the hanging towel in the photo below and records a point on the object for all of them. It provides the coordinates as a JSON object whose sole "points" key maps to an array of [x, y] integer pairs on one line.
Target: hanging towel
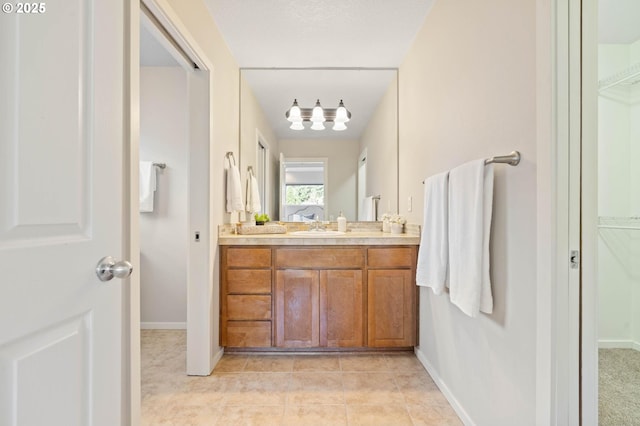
{"points": [[253, 195], [433, 255], [368, 209], [147, 186], [234, 190], [470, 203]]}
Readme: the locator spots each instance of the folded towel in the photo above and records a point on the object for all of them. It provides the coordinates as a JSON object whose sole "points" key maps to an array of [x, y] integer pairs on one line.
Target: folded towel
{"points": [[253, 195], [234, 190], [433, 255], [147, 186], [470, 203]]}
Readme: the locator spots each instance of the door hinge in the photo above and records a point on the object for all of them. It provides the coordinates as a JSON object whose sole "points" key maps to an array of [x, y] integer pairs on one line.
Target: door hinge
{"points": [[574, 259]]}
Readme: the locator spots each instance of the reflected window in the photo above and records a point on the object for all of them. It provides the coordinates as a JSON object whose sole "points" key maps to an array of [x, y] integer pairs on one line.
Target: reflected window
{"points": [[303, 187]]}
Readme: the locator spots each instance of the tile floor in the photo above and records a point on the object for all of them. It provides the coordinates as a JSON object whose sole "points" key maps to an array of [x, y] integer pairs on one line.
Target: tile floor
{"points": [[323, 390]]}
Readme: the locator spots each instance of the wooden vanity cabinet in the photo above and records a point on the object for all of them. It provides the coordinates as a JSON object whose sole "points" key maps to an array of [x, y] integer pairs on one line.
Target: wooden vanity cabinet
{"points": [[246, 297], [318, 305], [321, 297], [391, 292]]}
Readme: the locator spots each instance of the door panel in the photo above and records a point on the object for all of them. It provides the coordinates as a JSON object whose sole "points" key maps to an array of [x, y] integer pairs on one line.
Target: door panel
{"points": [[61, 209], [391, 308], [341, 308], [297, 319], [42, 199]]}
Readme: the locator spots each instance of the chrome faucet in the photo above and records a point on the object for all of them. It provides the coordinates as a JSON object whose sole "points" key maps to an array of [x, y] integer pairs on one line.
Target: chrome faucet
{"points": [[316, 223]]}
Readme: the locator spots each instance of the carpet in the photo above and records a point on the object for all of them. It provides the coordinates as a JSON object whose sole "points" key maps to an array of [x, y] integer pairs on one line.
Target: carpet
{"points": [[619, 388]]}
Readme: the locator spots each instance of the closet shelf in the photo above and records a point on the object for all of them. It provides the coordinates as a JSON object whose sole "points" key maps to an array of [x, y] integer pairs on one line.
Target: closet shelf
{"points": [[627, 77], [617, 222]]}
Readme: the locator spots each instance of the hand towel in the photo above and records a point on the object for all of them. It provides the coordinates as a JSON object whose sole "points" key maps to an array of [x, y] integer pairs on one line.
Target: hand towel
{"points": [[367, 209], [433, 254], [470, 204], [234, 190], [253, 195], [147, 186]]}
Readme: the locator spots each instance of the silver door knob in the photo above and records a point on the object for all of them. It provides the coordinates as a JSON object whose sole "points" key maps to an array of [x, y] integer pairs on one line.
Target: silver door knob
{"points": [[108, 268]]}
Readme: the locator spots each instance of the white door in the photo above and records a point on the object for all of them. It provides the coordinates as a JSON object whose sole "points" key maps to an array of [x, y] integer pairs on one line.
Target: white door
{"points": [[61, 209]]}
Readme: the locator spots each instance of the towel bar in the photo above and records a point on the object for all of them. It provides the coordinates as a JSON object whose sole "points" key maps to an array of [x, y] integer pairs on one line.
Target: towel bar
{"points": [[160, 165], [513, 159]]}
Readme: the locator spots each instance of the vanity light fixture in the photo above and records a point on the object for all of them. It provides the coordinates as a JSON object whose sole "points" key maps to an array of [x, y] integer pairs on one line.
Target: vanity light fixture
{"points": [[317, 116]]}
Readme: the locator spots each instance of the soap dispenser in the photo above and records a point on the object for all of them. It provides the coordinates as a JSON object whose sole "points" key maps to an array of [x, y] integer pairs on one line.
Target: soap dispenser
{"points": [[342, 223]]}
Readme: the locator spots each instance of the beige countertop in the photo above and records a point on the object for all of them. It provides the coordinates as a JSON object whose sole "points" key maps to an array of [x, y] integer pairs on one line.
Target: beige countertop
{"points": [[351, 238]]}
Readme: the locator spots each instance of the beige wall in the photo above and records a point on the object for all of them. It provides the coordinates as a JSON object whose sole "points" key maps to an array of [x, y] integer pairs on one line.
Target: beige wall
{"points": [[164, 138], [380, 138], [467, 90]]}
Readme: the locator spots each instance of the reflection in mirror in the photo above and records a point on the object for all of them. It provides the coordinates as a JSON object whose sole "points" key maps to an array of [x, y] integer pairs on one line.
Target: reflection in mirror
{"points": [[370, 95], [302, 189]]}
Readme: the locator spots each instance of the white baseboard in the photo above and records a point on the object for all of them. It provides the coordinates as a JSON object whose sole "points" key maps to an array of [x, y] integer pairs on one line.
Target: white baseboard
{"points": [[460, 411], [163, 325], [215, 359], [618, 344]]}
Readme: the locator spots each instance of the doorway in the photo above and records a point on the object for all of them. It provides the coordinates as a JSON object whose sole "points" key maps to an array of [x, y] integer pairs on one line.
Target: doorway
{"points": [[618, 213], [610, 283], [176, 271]]}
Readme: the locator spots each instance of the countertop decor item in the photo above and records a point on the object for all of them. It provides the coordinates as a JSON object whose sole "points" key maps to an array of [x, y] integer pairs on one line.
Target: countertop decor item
{"points": [[261, 229]]}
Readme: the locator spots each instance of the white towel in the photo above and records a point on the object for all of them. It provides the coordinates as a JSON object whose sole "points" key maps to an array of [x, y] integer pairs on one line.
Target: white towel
{"points": [[253, 195], [368, 209], [234, 190], [470, 203], [147, 186], [433, 255]]}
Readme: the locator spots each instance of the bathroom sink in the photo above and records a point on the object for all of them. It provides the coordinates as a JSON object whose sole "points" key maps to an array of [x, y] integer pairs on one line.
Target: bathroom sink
{"points": [[318, 233]]}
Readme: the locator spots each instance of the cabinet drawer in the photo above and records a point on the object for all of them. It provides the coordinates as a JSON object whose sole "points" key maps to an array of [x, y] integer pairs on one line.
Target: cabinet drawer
{"points": [[249, 281], [241, 307], [320, 258], [247, 334], [239, 257], [397, 257]]}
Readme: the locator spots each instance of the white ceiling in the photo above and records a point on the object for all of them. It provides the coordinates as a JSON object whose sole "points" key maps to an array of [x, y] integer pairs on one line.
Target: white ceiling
{"points": [[619, 21], [319, 34]]}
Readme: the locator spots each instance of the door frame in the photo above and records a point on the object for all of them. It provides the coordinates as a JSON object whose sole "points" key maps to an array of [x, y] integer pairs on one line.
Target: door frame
{"points": [[200, 333], [589, 282], [559, 126]]}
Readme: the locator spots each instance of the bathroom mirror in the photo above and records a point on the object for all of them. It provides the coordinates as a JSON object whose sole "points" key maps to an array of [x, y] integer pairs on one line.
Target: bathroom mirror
{"points": [[361, 161]]}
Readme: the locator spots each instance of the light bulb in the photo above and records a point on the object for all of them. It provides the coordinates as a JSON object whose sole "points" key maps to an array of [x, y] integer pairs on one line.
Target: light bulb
{"points": [[342, 115], [317, 125], [294, 112], [339, 126], [317, 115], [296, 125]]}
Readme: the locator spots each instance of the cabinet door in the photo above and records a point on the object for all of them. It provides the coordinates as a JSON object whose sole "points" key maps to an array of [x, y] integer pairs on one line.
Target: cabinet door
{"points": [[341, 308], [391, 308], [297, 303]]}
